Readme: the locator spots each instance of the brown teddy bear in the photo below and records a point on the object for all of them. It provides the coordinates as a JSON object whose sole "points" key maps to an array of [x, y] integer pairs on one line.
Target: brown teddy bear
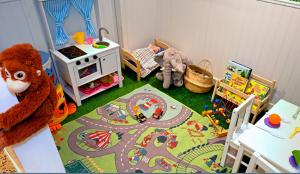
{"points": [[22, 70]]}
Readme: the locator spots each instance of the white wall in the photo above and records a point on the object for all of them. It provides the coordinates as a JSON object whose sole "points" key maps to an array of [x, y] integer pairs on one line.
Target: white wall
{"points": [[138, 20], [261, 35], [108, 19]]}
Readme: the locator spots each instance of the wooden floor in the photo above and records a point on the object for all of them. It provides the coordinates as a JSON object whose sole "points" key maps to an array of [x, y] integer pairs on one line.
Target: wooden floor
{"points": [[5, 164]]}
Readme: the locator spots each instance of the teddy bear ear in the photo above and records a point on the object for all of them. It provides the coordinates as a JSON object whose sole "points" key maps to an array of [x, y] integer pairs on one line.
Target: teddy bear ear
{"points": [[35, 58]]}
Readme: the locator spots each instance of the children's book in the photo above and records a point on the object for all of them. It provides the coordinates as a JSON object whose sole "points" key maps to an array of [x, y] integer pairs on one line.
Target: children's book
{"points": [[238, 82], [256, 88], [235, 80], [240, 69], [236, 98], [228, 76]]}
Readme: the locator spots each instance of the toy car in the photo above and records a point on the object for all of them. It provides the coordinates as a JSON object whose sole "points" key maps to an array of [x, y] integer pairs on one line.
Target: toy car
{"points": [[163, 163], [140, 117], [158, 113]]}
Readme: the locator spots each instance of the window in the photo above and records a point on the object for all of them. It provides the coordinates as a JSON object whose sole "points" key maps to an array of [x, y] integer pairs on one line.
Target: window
{"points": [[290, 3]]}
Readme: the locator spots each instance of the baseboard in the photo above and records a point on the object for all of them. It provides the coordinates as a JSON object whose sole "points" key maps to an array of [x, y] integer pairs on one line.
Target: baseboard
{"points": [[270, 105]]}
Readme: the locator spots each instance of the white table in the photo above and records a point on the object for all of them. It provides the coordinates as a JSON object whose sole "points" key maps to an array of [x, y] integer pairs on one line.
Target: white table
{"points": [[38, 154], [273, 144]]}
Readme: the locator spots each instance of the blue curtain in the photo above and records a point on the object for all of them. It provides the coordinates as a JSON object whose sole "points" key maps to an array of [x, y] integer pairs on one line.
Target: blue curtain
{"points": [[85, 7], [59, 10]]}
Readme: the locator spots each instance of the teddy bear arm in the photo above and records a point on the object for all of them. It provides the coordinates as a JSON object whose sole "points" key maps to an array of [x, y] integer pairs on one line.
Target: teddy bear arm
{"points": [[24, 129], [52, 94], [25, 108]]}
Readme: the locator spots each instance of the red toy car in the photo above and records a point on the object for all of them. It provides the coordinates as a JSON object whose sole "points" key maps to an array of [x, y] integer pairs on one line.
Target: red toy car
{"points": [[164, 163], [158, 113]]}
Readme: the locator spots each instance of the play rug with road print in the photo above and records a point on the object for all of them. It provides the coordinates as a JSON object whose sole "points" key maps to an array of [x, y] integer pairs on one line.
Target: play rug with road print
{"points": [[143, 131]]}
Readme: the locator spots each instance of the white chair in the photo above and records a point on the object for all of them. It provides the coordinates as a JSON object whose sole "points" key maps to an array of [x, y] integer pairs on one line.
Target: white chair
{"points": [[258, 164], [238, 124]]}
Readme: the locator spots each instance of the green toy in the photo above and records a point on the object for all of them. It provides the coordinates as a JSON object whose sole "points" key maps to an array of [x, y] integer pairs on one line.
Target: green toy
{"points": [[99, 46], [296, 154]]}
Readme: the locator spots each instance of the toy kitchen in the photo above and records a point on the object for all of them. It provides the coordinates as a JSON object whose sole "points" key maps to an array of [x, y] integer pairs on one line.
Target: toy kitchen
{"points": [[85, 67]]}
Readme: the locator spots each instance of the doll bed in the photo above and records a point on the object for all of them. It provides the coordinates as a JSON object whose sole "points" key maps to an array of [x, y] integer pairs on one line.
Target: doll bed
{"points": [[129, 60]]}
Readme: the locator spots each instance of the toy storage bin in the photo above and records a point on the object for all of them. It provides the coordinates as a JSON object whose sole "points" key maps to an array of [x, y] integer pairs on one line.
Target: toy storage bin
{"points": [[199, 79], [129, 60]]}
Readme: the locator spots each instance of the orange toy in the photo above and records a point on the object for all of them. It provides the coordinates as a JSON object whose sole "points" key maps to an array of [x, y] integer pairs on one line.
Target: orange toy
{"points": [[274, 119], [61, 111]]}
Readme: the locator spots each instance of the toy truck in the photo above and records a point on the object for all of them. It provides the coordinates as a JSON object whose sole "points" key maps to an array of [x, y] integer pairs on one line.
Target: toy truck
{"points": [[158, 113], [140, 117]]}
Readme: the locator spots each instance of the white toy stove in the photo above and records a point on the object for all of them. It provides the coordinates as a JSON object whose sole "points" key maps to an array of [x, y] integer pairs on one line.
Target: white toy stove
{"points": [[81, 64]]}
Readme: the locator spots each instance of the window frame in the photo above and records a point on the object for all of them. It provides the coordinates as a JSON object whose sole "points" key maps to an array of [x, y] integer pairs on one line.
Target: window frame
{"points": [[288, 3]]}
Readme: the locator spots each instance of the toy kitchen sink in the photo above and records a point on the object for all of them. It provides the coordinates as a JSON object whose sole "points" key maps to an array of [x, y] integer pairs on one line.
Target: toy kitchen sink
{"points": [[79, 65]]}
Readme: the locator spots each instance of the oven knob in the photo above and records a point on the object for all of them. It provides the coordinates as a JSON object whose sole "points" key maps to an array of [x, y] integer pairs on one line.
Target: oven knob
{"points": [[95, 57], [86, 59], [78, 62]]}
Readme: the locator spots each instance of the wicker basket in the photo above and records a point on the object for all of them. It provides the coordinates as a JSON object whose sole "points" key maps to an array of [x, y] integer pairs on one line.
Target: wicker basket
{"points": [[199, 79]]}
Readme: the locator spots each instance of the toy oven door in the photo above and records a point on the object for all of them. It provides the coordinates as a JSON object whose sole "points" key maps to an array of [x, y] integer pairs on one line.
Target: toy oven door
{"points": [[87, 72]]}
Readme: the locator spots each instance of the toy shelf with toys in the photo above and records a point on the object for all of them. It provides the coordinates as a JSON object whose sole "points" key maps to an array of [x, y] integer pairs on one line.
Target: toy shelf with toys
{"points": [[235, 95], [94, 87]]}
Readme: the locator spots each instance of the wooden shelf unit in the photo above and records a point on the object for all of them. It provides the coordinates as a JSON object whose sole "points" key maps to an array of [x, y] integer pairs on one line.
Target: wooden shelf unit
{"points": [[260, 104]]}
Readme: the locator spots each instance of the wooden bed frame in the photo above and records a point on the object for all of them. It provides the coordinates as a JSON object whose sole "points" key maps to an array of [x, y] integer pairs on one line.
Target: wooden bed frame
{"points": [[129, 60]]}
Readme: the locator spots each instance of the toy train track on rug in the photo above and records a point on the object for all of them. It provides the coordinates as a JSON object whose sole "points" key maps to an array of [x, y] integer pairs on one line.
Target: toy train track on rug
{"points": [[219, 115]]}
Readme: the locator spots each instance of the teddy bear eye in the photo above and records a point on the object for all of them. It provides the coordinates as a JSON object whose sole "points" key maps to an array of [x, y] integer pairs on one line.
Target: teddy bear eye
{"points": [[7, 73], [20, 75]]}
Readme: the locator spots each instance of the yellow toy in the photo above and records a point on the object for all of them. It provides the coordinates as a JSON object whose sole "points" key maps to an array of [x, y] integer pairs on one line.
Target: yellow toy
{"points": [[217, 122], [295, 131], [78, 37], [62, 110], [136, 109]]}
